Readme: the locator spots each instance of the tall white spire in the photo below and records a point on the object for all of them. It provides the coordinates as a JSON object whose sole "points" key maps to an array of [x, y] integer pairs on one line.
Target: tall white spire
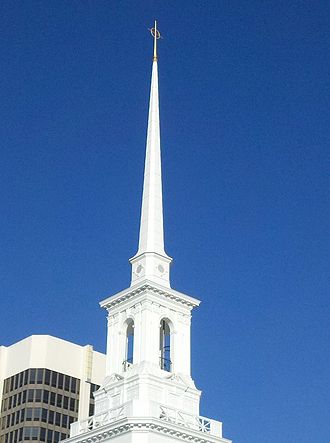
{"points": [[151, 262]]}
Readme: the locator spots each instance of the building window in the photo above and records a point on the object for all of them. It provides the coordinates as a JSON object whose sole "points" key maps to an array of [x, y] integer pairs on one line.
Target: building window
{"points": [[47, 377], [40, 376], [54, 379], [59, 400], [165, 346], [67, 383], [60, 381], [45, 396], [32, 376], [49, 436], [44, 415], [64, 421], [129, 351], [74, 387], [58, 419], [52, 398], [42, 434]]}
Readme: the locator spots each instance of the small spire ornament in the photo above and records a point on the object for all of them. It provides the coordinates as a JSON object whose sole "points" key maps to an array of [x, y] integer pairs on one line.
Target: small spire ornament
{"points": [[156, 35]]}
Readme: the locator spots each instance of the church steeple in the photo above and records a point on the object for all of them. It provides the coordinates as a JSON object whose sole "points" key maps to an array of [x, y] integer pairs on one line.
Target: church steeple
{"points": [[148, 393], [151, 261]]}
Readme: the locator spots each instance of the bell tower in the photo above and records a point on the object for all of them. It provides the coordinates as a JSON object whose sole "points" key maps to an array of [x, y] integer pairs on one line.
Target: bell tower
{"points": [[148, 395]]}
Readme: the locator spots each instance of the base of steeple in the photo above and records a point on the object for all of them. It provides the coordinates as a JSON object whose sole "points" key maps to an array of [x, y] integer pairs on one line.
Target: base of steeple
{"points": [[151, 266], [150, 430], [149, 386]]}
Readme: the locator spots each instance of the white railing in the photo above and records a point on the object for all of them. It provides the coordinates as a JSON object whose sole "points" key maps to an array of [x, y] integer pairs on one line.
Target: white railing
{"points": [[195, 422], [95, 421], [168, 414]]}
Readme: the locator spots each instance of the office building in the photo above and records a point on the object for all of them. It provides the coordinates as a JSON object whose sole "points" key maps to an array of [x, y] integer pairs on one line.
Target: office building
{"points": [[46, 384]]}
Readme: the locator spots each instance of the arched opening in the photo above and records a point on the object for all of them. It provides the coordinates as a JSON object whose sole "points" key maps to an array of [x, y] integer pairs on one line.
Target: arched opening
{"points": [[165, 346], [129, 344]]}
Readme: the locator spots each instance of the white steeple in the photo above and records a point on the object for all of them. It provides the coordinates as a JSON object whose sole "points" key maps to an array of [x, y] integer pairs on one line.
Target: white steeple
{"points": [[151, 261], [148, 394]]}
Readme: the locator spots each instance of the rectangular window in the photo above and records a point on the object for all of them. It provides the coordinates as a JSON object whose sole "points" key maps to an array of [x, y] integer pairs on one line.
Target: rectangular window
{"points": [[32, 376], [54, 379], [28, 414], [65, 402], [16, 381], [47, 377], [14, 401], [26, 377], [58, 419], [24, 397], [52, 398], [67, 383], [56, 437], [60, 381], [93, 389], [73, 385], [72, 404], [23, 414], [40, 376], [42, 434], [45, 397], [20, 383], [38, 395], [44, 415], [30, 395], [5, 386], [64, 421], [34, 433], [51, 417], [37, 414], [49, 436], [59, 400]]}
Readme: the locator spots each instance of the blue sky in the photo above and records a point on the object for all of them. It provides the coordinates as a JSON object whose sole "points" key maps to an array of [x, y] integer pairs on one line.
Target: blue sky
{"points": [[244, 96]]}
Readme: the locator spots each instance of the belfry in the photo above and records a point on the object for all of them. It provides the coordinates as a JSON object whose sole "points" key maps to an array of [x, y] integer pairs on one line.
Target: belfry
{"points": [[148, 395]]}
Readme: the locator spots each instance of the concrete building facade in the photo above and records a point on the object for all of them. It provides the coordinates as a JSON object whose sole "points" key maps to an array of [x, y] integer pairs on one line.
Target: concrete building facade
{"points": [[45, 385]]}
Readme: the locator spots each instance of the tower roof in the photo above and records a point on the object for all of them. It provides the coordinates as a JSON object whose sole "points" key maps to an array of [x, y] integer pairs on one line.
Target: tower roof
{"points": [[151, 238]]}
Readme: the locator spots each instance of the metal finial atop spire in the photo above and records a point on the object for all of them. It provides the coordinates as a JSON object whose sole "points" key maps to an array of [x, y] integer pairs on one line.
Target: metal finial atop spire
{"points": [[156, 35]]}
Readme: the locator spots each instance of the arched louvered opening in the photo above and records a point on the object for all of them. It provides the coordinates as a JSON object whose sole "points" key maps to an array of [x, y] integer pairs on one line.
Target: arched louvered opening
{"points": [[165, 346], [129, 352]]}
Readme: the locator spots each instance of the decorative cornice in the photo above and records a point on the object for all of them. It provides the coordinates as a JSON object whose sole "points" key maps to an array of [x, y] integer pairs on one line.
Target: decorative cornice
{"points": [[151, 287], [105, 433]]}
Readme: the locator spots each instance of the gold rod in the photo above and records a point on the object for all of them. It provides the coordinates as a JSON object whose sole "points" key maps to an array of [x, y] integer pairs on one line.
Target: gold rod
{"points": [[155, 42]]}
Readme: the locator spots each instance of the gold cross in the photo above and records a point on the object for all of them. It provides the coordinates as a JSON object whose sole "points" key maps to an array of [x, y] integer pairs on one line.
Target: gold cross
{"points": [[156, 35]]}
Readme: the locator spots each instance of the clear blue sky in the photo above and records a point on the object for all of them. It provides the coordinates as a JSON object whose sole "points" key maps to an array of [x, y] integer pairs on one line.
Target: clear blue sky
{"points": [[245, 112]]}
